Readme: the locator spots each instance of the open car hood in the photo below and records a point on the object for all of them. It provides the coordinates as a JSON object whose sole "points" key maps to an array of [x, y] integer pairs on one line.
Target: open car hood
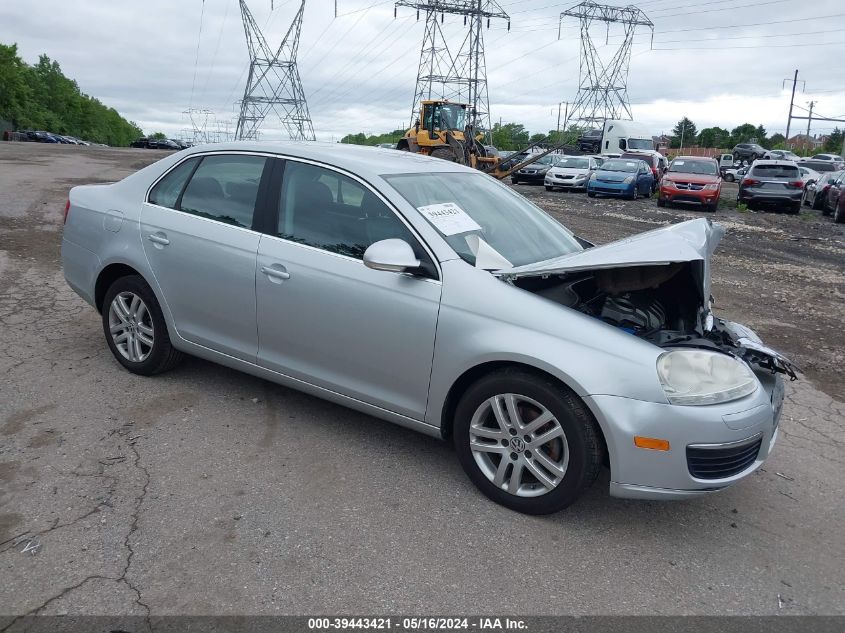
{"points": [[690, 241]]}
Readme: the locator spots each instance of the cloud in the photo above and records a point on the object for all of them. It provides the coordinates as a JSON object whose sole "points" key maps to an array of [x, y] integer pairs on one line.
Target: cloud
{"points": [[359, 69]]}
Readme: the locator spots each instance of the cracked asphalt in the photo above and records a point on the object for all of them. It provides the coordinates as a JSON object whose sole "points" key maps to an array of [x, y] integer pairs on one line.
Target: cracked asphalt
{"points": [[206, 491]]}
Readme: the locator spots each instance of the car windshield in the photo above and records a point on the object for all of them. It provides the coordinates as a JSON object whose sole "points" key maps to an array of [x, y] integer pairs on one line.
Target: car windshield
{"points": [[702, 167], [573, 163], [776, 171], [462, 205], [620, 165], [640, 143]]}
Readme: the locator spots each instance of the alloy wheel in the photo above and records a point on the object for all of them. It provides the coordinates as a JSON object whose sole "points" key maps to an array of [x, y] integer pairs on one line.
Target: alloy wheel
{"points": [[131, 327], [519, 445]]}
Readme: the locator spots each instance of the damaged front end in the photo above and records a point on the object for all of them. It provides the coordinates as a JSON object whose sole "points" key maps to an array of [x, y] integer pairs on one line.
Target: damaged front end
{"points": [[655, 286]]}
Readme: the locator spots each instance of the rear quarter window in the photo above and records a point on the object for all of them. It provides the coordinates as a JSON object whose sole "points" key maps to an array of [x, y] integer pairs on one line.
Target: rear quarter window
{"points": [[166, 191]]}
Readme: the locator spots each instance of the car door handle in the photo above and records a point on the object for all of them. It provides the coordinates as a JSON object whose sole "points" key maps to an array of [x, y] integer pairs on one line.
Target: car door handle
{"points": [[275, 273], [158, 238]]}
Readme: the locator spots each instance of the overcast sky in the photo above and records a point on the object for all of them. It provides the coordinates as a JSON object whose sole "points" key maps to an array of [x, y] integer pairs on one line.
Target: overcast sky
{"points": [[717, 62]]}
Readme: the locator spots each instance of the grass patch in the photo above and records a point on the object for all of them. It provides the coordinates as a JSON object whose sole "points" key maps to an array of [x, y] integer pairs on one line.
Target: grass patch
{"points": [[741, 207]]}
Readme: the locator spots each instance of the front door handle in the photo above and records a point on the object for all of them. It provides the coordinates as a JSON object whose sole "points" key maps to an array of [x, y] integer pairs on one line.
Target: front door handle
{"points": [[277, 271], [158, 239]]}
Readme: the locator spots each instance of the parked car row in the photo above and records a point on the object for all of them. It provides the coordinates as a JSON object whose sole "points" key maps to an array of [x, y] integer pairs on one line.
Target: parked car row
{"points": [[40, 136], [825, 195], [160, 143]]}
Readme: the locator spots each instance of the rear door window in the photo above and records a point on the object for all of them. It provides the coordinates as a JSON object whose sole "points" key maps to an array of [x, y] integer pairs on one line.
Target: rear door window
{"points": [[225, 188]]}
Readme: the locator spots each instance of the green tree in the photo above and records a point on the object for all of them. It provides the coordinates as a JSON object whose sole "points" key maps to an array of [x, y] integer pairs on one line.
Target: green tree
{"points": [[777, 141], [762, 137], [834, 141], [158, 135], [41, 97], [745, 133], [374, 139], [510, 136], [684, 133], [714, 137]]}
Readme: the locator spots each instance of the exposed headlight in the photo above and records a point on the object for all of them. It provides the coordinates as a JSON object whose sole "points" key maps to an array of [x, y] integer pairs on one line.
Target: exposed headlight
{"points": [[628, 180], [697, 377], [668, 183], [712, 187], [593, 176], [580, 177]]}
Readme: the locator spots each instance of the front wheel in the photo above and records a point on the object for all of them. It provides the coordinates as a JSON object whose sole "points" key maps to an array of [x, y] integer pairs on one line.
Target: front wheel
{"points": [[661, 202], [730, 177], [135, 329], [839, 215], [591, 194], [514, 181], [526, 441], [549, 188]]}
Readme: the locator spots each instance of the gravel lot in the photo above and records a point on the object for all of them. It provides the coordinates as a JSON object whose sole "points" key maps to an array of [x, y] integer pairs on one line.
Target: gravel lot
{"points": [[206, 491]]}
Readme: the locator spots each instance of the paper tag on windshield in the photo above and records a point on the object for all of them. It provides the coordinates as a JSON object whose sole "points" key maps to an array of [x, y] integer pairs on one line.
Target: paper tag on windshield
{"points": [[449, 218]]}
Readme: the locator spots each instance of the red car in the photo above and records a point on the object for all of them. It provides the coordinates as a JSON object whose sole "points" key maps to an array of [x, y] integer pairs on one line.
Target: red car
{"points": [[691, 180], [834, 194], [839, 213]]}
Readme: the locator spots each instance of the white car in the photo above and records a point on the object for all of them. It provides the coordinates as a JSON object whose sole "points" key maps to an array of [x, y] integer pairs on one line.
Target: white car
{"points": [[571, 172]]}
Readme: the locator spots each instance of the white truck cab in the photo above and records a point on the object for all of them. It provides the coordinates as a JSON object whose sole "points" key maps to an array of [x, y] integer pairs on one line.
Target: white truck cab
{"points": [[625, 136]]}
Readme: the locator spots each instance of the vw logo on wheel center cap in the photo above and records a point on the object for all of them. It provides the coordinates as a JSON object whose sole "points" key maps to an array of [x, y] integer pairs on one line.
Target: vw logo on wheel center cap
{"points": [[517, 444]]}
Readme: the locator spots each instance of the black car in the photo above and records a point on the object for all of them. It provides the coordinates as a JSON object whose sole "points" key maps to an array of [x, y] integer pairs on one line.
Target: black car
{"points": [[773, 184], [815, 193], [535, 173], [748, 151], [590, 141], [140, 142]]}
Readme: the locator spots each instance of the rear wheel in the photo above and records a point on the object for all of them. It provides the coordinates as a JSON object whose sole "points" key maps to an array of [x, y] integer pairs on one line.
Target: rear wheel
{"points": [[795, 209], [135, 329], [514, 181], [526, 441], [661, 202], [730, 177], [839, 215]]}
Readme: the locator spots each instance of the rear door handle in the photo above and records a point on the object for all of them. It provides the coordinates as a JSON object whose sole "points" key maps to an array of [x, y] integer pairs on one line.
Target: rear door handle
{"points": [[277, 271], [158, 238]]}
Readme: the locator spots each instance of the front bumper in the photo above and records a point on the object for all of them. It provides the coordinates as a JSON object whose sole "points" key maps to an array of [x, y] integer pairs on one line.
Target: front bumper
{"points": [[536, 178], [558, 183], [611, 188], [689, 196], [649, 474]]}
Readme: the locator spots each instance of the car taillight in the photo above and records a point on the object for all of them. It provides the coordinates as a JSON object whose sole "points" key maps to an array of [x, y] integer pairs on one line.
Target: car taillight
{"points": [[798, 184], [67, 210], [750, 182]]}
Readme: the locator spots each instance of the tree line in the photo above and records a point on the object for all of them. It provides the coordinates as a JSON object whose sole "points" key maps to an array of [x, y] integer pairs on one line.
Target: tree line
{"points": [[40, 97], [515, 136]]}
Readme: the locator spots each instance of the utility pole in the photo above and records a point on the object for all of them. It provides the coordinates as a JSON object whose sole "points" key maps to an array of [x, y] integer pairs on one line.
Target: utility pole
{"points": [[273, 84], [565, 116], [792, 101], [810, 118]]}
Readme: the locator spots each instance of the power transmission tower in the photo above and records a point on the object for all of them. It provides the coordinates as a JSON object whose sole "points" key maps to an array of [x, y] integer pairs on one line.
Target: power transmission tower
{"points": [[449, 73], [273, 84], [603, 86]]}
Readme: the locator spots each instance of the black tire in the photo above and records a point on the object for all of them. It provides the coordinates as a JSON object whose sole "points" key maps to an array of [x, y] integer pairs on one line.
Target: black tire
{"points": [[795, 209], [591, 194], [549, 188], [839, 215], [636, 194], [661, 202], [514, 181], [713, 207], [444, 153], [162, 356], [730, 177], [582, 437]]}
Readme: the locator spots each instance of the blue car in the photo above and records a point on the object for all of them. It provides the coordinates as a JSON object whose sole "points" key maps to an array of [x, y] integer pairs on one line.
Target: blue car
{"points": [[624, 177]]}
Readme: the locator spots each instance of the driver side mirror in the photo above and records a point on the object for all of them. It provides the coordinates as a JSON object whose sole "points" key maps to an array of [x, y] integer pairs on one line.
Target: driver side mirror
{"points": [[391, 255]]}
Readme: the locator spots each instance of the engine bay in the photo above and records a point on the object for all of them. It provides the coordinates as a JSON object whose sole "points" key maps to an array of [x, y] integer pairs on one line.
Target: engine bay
{"points": [[661, 304]]}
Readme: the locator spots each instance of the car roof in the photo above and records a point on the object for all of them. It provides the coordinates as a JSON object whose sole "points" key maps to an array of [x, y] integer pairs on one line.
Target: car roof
{"points": [[775, 161], [694, 158], [358, 159]]}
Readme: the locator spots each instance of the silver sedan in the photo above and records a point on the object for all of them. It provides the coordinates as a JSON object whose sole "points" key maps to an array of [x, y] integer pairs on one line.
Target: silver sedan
{"points": [[433, 296]]}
